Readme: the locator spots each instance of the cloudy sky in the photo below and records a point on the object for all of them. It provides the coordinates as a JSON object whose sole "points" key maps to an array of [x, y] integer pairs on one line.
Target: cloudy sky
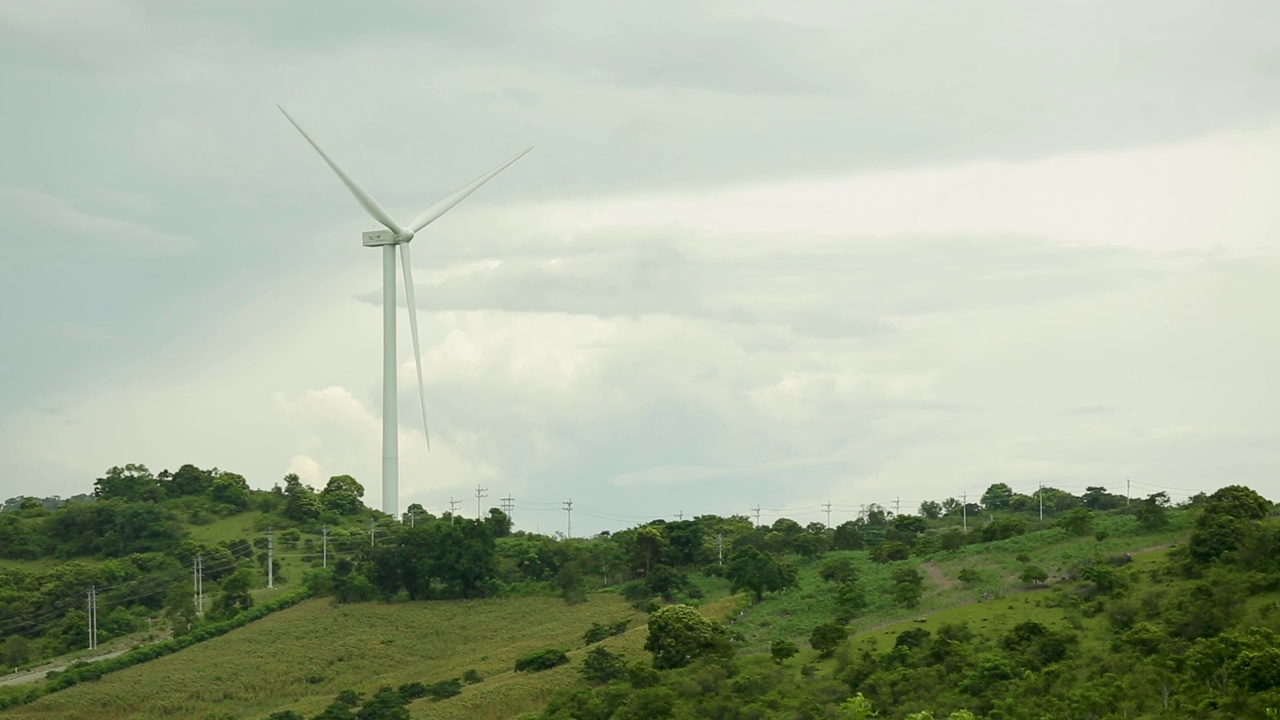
{"points": [[766, 252]]}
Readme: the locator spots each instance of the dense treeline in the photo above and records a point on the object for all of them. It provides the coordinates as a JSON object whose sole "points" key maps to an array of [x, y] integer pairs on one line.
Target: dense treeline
{"points": [[1195, 637]]}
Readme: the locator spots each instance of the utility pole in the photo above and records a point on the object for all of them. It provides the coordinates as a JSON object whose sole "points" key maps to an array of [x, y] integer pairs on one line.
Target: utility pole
{"points": [[271, 560], [826, 507], [197, 583], [93, 617], [964, 510], [1040, 494], [756, 510], [568, 508], [413, 518], [508, 507], [324, 534], [453, 508], [1126, 491], [720, 548], [373, 528], [897, 503], [862, 511], [680, 516], [481, 493]]}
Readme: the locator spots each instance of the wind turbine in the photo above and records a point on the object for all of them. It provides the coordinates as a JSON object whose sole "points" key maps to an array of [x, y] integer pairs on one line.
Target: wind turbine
{"points": [[397, 235]]}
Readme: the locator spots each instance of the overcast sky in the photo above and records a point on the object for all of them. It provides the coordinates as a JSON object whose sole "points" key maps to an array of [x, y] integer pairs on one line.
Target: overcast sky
{"points": [[771, 253]]}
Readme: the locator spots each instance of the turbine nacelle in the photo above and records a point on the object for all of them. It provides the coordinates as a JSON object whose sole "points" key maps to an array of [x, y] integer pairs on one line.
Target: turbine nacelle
{"points": [[378, 238]]}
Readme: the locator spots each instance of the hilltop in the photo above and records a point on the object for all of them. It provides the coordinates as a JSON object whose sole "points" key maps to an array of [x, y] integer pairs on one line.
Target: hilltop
{"points": [[813, 614]]}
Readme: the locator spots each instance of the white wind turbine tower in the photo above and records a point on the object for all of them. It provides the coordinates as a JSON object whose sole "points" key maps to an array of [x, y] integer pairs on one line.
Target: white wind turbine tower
{"points": [[397, 235]]}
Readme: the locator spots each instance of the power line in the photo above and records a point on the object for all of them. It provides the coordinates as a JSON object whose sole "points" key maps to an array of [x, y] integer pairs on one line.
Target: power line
{"points": [[568, 509], [481, 493]]}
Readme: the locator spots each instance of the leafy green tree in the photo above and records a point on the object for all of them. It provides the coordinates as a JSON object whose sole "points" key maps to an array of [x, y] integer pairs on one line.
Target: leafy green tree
{"points": [[969, 577], [750, 569], [931, 509], [301, 502], [782, 650], [131, 483], [850, 600], [838, 570], [997, 497], [230, 489], [908, 586], [342, 495], [601, 666], [1033, 575], [848, 535], [1238, 501], [825, 638], [650, 542], [189, 481], [678, 634], [1077, 521], [234, 595], [1151, 512]]}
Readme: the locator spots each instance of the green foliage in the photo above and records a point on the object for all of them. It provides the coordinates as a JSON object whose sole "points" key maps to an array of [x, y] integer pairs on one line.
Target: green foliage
{"points": [[1033, 575], [472, 676], [826, 637], [969, 576], [541, 660], [444, 689], [838, 569], [782, 650], [601, 666], [678, 634], [750, 569], [997, 497], [908, 586], [1077, 522], [598, 632]]}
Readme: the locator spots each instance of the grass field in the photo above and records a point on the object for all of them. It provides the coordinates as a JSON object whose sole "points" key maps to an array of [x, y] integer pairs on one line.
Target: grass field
{"points": [[301, 658], [794, 613]]}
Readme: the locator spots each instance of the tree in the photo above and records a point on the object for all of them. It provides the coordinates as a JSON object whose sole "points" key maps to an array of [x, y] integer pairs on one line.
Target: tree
{"points": [[838, 570], [997, 497], [230, 489], [782, 650], [931, 509], [650, 542], [825, 638], [131, 483], [678, 634], [234, 596], [908, 586], [301, 502], [750, 569], [1239, 502], [1151, 512], [850, 600], [1077, 521], [342, 495], [969, 577], [1033, 575], [601, 666]]}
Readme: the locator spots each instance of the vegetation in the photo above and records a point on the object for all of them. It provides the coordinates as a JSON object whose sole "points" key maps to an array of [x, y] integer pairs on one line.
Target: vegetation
{"points": [[962, 611]]}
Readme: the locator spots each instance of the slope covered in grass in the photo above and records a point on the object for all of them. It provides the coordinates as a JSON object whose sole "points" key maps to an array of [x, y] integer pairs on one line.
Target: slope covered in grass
{"points": [[301, 658]]}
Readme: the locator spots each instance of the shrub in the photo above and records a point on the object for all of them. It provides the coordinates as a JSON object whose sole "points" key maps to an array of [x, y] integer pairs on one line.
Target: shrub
{"points": [[602, 666], [782, 650], [471, 677], [541, 660], [444, 689], [412, 691]]}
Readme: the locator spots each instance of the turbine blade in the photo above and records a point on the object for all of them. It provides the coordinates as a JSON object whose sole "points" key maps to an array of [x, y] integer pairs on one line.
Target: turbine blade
{"points": [[370, 205], [407, 266], [443, 206]]}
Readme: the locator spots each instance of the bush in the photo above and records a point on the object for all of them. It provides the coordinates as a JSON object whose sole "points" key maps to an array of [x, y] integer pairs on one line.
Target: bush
{"points": [[444, 689], [471, 677], [827, 637], [782, 650], [412, 691], [602, 666], [598, 632], [541, 660]]}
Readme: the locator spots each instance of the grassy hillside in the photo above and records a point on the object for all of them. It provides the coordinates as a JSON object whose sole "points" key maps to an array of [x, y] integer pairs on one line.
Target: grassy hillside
{"points": [[301, 658]]}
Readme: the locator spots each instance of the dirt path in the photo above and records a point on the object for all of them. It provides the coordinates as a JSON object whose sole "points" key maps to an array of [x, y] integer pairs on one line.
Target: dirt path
{"points": [[937, 578], [39, 674]]}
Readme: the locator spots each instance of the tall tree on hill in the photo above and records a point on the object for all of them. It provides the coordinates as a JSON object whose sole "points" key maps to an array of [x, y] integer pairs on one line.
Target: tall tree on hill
{"points": [[750, 569], [131, 483], [342, 495], [997, 497], [301, 502]]}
